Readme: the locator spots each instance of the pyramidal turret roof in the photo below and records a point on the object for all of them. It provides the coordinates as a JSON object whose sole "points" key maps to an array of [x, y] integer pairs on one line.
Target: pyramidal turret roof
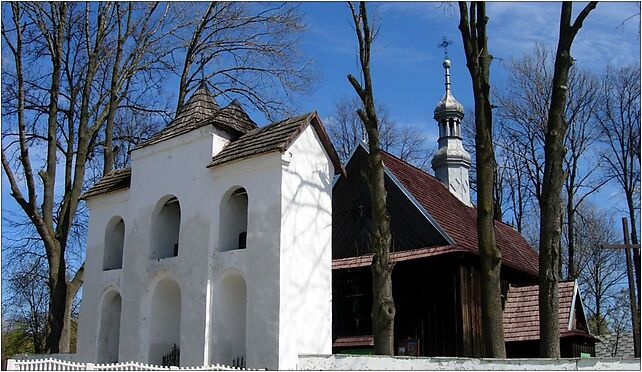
{"points": [[200, 106], [200, 110]]}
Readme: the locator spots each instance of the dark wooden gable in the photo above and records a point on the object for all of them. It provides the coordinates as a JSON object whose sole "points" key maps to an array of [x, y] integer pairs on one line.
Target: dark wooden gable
{"points": [[579, 318], [410, 228]]}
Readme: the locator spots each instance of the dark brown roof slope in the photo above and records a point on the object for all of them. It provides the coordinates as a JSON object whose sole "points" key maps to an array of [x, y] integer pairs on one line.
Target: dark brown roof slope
{"points": [[457, 219], [521, 312], [275, 137], [200, 110], [113, 181]]}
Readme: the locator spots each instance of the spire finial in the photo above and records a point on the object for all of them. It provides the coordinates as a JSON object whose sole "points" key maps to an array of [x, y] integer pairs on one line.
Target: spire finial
{"points": [[444, 44]]}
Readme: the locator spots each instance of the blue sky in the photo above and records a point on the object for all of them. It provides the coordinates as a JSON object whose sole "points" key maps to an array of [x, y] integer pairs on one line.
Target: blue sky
{"points": [[406, 62]]}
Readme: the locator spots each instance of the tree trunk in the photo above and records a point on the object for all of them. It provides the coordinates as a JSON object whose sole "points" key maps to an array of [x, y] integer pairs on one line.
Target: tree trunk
{"points": [[478, 62], [65, 336], [57, 303], [553, 179], [383, 307], [634, 240]]}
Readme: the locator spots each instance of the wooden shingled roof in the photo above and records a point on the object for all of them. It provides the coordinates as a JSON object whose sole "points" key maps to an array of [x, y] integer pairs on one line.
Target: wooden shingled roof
{"points": [[115, 180], [248, 140], [276, 137], [457, 220], [200, 110], [521, 312]]}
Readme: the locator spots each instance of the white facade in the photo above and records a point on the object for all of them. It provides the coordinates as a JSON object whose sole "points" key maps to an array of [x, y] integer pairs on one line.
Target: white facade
{"points": [[267, 303]]}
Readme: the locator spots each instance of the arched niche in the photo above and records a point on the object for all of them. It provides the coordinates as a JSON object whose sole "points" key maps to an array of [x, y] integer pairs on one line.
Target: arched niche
{"points": [[109, 328], [165, 320], [166, 225], [233, 220], [230, 318], [114, 243]]}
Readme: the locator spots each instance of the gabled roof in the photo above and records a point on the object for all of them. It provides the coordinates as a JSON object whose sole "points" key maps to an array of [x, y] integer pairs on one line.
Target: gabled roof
{"points": [[200, 110], [113, 181], [276, 137], [521, 312], [457, 220]]}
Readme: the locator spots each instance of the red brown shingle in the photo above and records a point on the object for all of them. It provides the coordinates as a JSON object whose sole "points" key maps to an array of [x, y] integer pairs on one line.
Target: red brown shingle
{"points": [[521, 312], [458, 220]]}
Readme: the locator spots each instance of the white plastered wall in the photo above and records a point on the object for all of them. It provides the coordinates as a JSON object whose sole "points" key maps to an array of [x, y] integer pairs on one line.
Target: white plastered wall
{"points": [[258, 264], [174, 167], [286, 266], [306, 251]]}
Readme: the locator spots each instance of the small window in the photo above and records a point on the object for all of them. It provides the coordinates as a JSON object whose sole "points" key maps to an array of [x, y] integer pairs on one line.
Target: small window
{"points": [[166, 230], [233, 217], [114, 242]]}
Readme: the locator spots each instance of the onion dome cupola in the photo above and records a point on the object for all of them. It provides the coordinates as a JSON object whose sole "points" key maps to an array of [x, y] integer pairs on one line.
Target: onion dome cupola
{"points": [[451, 161], [448, 111]]}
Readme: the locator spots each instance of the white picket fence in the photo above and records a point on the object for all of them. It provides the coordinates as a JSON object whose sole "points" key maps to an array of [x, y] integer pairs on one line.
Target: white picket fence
{"points": [[51, 364]]}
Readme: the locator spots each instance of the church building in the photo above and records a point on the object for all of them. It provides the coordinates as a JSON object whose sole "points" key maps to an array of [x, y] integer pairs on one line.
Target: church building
{"points": [[230, 243], [436, 277]]}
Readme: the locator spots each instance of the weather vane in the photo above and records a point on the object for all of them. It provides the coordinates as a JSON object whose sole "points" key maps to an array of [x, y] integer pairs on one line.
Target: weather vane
{"points": [[444, 44]]}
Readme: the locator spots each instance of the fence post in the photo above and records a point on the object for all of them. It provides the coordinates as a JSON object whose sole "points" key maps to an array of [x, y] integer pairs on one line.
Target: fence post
{"points": [[89, 367], [11, 365]]}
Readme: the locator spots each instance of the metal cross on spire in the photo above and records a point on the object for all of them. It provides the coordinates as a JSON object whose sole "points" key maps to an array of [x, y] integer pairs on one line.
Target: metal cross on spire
{"points": [[445, 43]]}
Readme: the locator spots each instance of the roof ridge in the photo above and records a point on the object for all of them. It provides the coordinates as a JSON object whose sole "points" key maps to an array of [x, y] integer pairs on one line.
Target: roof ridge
{"points": [[275, 123]]}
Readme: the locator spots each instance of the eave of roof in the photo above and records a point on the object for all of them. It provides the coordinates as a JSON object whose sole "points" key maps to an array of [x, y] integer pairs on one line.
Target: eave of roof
{"points": [[399, 256], [116, 180], [352, 341]]}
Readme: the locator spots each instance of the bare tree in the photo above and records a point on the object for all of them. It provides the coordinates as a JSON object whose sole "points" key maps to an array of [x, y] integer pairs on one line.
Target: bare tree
{"points": [[601, 271], [478, 59], [248, 51], [523, 109], [27, 300], [59, 110], [346, 131], [619, 121], [552, 182], [383, 306], [581, 139]]}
